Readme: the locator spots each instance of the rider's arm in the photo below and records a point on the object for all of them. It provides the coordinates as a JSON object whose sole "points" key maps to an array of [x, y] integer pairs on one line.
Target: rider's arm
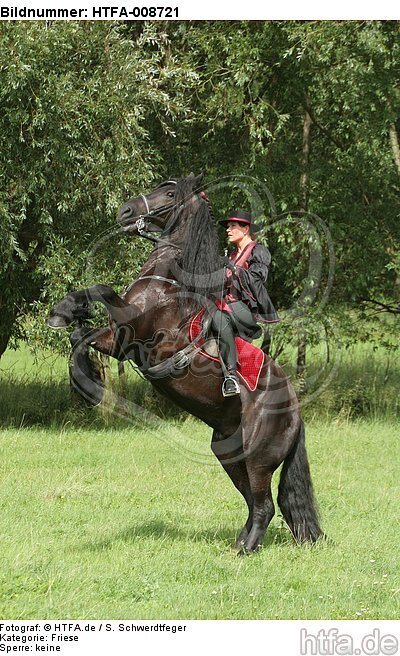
{"points": [[256, 275]]}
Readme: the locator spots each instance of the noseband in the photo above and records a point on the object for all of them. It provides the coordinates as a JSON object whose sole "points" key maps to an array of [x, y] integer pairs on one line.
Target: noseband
{"points": [[160, 210], [143, 197]]}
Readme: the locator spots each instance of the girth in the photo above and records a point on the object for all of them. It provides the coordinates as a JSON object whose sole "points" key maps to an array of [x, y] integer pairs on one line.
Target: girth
{"points": [[180, 360]]}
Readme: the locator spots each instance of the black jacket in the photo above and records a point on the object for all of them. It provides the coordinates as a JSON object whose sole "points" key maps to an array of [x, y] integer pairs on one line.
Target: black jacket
{"points": [[249, 284]]}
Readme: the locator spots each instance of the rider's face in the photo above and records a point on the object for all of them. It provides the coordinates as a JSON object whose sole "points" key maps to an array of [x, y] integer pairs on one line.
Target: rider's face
{"points": [[236, 231]]}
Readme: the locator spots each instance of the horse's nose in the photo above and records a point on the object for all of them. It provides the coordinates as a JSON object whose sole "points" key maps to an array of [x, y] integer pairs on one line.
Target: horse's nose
{"points": [[125, 213]]}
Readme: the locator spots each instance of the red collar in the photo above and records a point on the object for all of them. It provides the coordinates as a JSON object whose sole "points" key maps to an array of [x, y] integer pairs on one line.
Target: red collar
{"points": [[236, 258]]}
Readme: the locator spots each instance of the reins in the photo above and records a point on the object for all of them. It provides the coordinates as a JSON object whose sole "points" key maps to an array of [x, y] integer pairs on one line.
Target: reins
{"points": [[182, 358]]}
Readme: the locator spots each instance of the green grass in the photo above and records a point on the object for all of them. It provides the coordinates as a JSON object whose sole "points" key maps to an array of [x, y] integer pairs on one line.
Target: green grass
{"points": [[358, 382], [118, 524], [104, 520]]}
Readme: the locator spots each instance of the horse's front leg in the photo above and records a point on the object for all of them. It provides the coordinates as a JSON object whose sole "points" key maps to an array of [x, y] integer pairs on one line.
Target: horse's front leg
{"points": [[104, 340], [85, 370], [76, 307]]}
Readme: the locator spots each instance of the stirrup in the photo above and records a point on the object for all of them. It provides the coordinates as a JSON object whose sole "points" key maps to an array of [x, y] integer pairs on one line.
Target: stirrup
{"points": [[230, 386]]}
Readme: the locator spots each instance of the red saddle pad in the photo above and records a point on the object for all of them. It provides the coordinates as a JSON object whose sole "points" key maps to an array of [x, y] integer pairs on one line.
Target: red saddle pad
{"points": [[250, 358]]}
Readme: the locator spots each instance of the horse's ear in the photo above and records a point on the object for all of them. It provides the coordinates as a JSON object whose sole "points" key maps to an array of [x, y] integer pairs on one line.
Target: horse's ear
{"points": [[197, 180]]}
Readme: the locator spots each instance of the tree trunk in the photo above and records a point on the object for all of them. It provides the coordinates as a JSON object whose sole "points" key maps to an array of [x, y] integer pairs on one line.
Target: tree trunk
{"points": [[121, 378], [301, 361], [105, 369], [4, 339], [7, 319], [392, 255], [394, 142], [304, 189], [305, 159]]}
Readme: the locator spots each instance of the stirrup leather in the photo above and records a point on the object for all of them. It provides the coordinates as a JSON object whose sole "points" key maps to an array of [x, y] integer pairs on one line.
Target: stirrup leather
{"points": [[235, 386]]}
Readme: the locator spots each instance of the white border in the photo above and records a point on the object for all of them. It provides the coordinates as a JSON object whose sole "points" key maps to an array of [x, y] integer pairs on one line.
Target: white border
{"points": [[229, 9]]}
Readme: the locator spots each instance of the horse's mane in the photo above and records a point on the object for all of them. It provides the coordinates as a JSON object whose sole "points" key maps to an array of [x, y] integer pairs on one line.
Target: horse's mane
{"points": [[199, 265]]}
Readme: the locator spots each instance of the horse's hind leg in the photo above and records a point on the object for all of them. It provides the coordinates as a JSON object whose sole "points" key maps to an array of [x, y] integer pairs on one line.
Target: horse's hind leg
{"points": [[237, 472], [263, 508]]}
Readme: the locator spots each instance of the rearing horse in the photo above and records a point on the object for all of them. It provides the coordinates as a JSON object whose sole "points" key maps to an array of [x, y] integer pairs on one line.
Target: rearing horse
{"points": [[252, 434]]}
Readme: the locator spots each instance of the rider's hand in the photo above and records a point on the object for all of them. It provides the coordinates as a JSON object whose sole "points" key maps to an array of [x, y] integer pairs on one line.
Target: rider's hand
{"points": [[226, 262]]}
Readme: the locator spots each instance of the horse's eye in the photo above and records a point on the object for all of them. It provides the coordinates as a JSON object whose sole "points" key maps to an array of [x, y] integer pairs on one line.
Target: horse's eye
{"points": [[170, 194]]}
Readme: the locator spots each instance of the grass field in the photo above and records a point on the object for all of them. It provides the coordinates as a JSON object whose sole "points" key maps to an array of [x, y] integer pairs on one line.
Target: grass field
{"points": [[100, 519]]}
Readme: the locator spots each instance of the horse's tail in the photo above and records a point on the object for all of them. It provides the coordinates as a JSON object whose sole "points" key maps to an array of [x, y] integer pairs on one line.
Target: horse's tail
{"points": [[295, 493]]}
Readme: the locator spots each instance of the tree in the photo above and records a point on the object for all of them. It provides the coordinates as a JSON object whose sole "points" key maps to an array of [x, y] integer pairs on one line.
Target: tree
{"points": [[95, 112], [74, 97]]}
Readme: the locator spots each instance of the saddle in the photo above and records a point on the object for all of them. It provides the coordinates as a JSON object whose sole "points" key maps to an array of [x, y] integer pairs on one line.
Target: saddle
{"points": [[250, 357]]}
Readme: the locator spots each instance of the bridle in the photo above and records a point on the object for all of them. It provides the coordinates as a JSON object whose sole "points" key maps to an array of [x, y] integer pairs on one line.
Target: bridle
{"points": [[141, 225], [182, 358]]}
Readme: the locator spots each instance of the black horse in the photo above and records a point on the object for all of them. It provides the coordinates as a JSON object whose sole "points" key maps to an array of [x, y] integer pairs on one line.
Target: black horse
{"points": [[252, 434]]}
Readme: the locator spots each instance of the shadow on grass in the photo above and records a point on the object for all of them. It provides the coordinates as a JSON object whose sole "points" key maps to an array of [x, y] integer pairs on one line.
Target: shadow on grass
{"points": [[38, 393], [26, 403], [161, 530], [52, 403]]}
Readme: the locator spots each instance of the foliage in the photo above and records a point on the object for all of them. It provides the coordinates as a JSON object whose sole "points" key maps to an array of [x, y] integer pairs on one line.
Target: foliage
{"points": [[74, 99], [95, 112], [256, 80]]}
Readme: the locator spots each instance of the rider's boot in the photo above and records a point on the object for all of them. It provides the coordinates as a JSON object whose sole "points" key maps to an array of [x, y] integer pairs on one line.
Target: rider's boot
{"points": [[228, 355]]}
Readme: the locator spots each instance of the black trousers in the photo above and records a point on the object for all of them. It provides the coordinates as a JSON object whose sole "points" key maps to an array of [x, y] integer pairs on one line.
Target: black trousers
{"points": [[226, 325]]}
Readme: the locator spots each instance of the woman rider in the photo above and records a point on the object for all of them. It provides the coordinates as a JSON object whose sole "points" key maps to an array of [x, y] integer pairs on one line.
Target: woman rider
{"points": [[246, 298]]}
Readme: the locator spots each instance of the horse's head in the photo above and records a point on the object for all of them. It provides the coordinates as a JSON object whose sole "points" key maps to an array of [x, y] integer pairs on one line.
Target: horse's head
{"points": [[152, 211], [148, 212]]}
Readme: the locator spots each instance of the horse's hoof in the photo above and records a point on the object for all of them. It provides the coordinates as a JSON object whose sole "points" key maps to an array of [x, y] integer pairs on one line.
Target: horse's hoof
{"points": [[240, 542], [240, 545], [243, 552], [244, 549]]}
